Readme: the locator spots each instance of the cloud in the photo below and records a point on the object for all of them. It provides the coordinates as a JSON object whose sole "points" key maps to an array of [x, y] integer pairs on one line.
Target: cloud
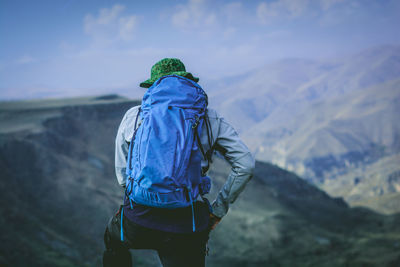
{"points": [[264, 12], [268, 12], [195, 15], [279, 34], [233, 11], [26, 59], [106, 16], [110, 24], [281, 9], [229, 32], [209, 18], [327, 4], [346, 12], [127, 26]]}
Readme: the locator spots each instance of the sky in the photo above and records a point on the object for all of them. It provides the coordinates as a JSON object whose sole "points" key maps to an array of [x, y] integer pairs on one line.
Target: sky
{"points": [[67, 48]]}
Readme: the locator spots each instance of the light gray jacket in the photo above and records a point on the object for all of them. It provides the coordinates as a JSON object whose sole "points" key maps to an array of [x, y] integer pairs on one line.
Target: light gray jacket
{"points": [[227, 143]]}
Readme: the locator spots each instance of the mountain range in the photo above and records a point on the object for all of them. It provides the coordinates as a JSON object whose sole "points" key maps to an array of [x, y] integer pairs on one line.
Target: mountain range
{"points": [[327, 121], [58, 190]]}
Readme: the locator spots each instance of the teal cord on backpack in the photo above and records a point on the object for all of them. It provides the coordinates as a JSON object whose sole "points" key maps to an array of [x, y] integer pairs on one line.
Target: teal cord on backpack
{"points": [[164, 159]]}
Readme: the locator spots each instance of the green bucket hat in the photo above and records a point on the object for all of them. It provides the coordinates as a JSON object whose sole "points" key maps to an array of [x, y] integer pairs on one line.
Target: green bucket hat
{"points": [[167, 66]]}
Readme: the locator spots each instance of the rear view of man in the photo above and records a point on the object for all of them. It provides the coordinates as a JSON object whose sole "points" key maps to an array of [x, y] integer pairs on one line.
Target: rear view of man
{"points": [[163, 151]]}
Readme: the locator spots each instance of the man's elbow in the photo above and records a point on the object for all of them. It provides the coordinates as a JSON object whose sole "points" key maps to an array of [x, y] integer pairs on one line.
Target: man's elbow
{"points": [[250, 171], [247, 165]]}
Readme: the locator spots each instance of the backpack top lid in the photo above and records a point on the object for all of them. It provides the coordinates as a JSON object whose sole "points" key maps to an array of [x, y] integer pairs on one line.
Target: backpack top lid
{"points": [[176, 91]]}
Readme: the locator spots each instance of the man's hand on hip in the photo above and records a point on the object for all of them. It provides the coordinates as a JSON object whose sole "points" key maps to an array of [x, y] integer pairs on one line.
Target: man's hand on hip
{"points": [[214, 220]]}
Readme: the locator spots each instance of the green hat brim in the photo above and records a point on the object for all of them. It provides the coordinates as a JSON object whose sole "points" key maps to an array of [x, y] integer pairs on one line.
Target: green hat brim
{"points": [[148, 83]]}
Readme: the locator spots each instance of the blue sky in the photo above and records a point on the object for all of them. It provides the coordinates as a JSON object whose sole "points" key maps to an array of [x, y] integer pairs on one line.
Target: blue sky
{"points": [[60, 48]]}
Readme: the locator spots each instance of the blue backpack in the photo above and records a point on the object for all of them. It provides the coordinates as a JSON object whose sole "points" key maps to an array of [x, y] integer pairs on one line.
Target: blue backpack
{"points": [[164, 159]]}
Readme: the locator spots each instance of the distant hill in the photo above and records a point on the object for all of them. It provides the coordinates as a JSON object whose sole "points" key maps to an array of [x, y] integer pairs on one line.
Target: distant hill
{"points": [[321, 119], [58, 190]]}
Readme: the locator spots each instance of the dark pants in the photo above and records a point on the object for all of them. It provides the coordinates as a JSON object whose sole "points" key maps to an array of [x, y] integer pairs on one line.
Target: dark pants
{"points": [[173, 249]]}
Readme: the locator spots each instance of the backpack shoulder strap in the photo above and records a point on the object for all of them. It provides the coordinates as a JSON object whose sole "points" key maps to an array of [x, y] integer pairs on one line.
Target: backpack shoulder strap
{"points": [[206, 155], [210, 138], [133, 137]]}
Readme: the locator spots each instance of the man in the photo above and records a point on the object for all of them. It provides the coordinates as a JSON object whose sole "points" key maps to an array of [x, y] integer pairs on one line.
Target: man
{"points": [[179, 235]]}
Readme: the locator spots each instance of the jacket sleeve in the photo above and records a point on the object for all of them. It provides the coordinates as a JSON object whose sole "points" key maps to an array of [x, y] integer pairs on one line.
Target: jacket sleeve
{"points": [[121, 152], [242, 162], [124, 136]]}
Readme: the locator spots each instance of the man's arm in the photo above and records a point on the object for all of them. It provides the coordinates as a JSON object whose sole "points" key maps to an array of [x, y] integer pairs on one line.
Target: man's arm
{"points": [[121, 152], [124, 134], [238, 155]]}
